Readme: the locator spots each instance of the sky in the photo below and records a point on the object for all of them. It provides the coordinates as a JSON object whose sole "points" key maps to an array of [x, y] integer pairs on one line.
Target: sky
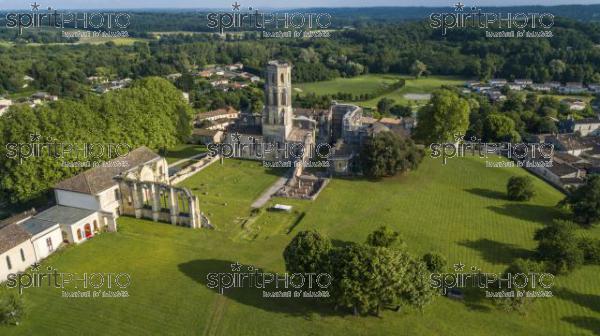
{"points": [[76, 4]]}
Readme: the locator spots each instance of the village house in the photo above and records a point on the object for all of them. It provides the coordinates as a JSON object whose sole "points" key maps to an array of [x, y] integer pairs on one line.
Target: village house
{"points": [[563, 175], [572, 88], [523, 82], [16, 250], [587, 126], [569, 143], [495, 95], [235, 67], [541, 87], [594, 88], [218, 119], [4, 105], [497, 82], [174, 76], [515, 87], [206, 136], [574, 104], [23, 243], [43, 96]]}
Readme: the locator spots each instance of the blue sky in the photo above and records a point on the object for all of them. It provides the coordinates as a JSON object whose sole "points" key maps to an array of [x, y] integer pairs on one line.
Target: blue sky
{"points": [[64, 4]]}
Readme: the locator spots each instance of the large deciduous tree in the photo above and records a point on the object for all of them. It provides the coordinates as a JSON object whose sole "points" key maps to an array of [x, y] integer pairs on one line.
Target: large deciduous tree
{"points": [[520, 188], [308, 252], [584, 202], [445, 116], [387, 154]]}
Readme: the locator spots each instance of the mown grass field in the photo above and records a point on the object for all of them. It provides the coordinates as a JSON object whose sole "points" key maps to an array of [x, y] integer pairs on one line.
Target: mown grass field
{"points": [[457, 209], [184, 151], [373, 82]]}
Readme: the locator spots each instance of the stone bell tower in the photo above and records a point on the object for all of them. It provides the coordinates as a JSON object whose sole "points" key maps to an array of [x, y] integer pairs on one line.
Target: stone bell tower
{"points": [[277, 115]]}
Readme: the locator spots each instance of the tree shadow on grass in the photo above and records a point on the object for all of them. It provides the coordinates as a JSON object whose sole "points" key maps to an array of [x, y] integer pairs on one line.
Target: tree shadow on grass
{"points": [[589, 301], [199, 270], [585, 322], [529, 212], [475, 298], [487, 193], [496, 252]]}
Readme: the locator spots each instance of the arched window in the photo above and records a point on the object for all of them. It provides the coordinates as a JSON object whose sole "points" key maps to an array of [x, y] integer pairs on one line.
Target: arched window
{"points": [[22, 255], [8, 264], [78, 234], [88, 230], [282, 79], [164, 200], [96, 226], [283, 100]]}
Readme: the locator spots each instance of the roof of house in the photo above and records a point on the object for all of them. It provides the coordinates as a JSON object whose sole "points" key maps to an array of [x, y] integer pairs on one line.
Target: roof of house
{"points": [[14, 219], [570, 141], [61, 214], [100, 178], [588, 121], [11, 236], [216, 113], [35, 225], [205, 132], [390, 121], [561, 169], [566, 157]]}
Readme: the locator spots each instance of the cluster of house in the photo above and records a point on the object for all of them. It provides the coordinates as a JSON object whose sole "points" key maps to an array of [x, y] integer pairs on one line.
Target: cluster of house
{"points": [[343, 126], [89, 203], [492, 87], [35, 99], [576, 153], [102, 84], [228, 77]]}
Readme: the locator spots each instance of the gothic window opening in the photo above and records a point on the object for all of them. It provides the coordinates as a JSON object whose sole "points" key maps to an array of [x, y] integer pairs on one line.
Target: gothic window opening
{"points": [[147, 197], [183, 203], [164, 200]]}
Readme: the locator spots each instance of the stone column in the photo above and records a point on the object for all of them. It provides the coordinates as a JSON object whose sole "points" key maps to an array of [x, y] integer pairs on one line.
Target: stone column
{"points": [[155, 195], [192, 204], [112, 224], [173, 206], [137, 204]]}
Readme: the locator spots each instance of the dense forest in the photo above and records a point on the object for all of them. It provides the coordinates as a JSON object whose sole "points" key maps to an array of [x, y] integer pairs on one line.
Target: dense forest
{"points": [[572, 54]]}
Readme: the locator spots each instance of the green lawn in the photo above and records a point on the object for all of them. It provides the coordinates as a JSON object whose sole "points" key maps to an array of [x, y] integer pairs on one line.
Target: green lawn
{"points": [[355, 85], [227, 190], [458, 210], [183, 151], [373, 82]]}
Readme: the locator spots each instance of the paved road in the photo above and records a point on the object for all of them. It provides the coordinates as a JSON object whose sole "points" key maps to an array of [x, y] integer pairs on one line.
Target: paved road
{"points": [[264, 198]]}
